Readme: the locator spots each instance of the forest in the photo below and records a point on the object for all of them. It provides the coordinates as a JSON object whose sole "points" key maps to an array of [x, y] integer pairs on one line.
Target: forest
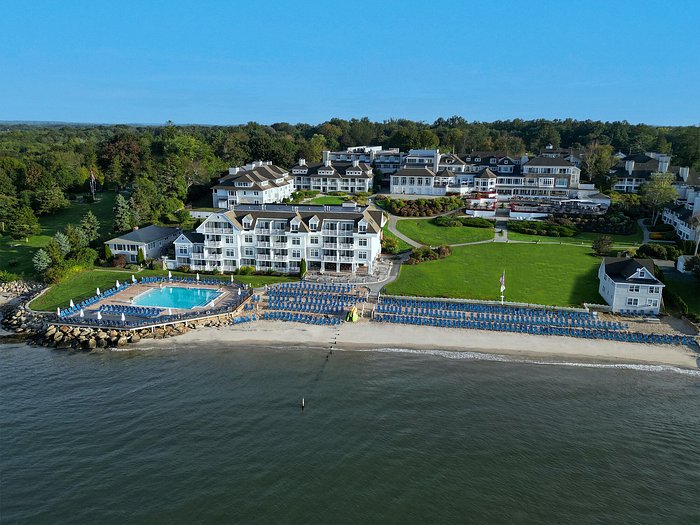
{"points": [[163, 167]]}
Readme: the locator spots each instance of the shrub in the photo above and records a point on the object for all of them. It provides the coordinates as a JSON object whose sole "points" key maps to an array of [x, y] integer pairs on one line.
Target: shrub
{"points": [[419, 207], [390, 245], [119, 261], [452, 221], [84, 257], [675, 300], [8, 277], [108, 253], [548, 228], [132, 267], [302, 268], [602, 244], [140, 257], [184, 268], [247, 270], [424, 253]]}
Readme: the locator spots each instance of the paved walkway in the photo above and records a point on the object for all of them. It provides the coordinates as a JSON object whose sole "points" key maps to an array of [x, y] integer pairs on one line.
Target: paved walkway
{"points": [[647, 234], [501, 225]]}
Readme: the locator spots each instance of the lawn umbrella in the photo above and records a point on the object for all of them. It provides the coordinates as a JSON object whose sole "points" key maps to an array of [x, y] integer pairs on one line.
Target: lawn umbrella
{"points": [[98, 292], [117, 283], [197, 276], [133, 279], [82, 314], [231, 278], [123, 318], [239, 291], [170, 274], [99, 316], [170, 311], [71, 303], [58, 312]]}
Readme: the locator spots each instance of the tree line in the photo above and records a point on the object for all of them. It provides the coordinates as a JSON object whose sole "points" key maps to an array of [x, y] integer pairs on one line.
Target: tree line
{"points": [[164, 166]]}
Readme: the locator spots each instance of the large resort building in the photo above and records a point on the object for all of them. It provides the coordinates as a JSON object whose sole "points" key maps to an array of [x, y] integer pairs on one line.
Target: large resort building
{"points": [[427, 172], [343, 238], [255, 183], [331, 176]]}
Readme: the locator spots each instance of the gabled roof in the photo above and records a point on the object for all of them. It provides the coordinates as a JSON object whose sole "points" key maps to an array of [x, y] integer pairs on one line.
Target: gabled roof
{"points": [[623, 270], [415, 172], [451, 158], [194, 237], [549, 161], [486, 173], [339, 169], [146, 234]]}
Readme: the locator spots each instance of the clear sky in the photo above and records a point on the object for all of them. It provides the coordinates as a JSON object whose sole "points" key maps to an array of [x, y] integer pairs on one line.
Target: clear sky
{"points": [[230, 62]]}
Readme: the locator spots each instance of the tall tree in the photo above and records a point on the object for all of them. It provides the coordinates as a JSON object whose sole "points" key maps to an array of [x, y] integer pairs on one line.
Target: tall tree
{"points": [[658, 192], [63, 243], [24, 223], [41, 261], [122, 216], [91, 226]]}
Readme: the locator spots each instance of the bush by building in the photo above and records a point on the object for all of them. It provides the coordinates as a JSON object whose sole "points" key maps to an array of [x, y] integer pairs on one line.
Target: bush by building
{"points": [[419, 207]]}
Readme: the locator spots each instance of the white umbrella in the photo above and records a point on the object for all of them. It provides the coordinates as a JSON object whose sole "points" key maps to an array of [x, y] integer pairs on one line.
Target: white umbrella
{"points": [[98, 292], [117, 283], [71, 303], [82, 314], [99, 316], [123, 318], [239, 291], [198, 276], [231, 278], [170, 274], [133, 279], [58, 312], [170, 311]]}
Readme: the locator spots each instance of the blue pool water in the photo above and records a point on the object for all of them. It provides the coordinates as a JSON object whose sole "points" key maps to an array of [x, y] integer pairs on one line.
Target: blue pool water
{"points": [[176, 297]]}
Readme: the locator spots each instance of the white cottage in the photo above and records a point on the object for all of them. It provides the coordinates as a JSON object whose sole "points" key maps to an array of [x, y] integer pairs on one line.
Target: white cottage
{"points": [[629, 285]]}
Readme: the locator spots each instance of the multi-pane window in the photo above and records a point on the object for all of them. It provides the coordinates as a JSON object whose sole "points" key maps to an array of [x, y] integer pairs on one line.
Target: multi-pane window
{"points": [[632, 301], [634, 288]]}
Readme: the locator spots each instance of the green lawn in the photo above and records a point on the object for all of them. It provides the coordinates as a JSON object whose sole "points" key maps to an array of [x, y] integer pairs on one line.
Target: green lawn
{"points": [[403, 245], [585, 238], [16, 256], [82, 285], [425, 232], [542, 274], [687, 286], [327, 200], [256, 281]]}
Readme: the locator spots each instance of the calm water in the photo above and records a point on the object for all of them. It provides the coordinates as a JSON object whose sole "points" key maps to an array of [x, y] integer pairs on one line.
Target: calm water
{"points": [[207, 435], [176, 297]]}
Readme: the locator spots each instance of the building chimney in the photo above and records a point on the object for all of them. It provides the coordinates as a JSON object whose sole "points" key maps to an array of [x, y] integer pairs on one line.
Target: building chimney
{"points": [[684, 172], [233, 171], [629, 166], [302, 162], [664, 161], [326, 156], [356, 163], [327, 162]]}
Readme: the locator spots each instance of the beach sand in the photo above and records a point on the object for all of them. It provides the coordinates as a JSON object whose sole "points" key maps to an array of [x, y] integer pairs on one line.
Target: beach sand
{"points": [[366, 335]]}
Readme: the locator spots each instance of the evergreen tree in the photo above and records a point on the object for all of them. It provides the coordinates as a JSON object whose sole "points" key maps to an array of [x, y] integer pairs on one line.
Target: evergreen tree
{"points": [[90, 226], [63, 243], [302, 268], [76, 236], [122, 215], [24, 223], [41, 261]]}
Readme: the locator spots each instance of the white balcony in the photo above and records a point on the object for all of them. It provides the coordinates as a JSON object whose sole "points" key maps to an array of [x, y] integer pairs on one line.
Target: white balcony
{"points": [[227, 231], [347, 259], [263, 257], [263, 244], [330, 245], [277, 244], [330, 258], [213, 244]]}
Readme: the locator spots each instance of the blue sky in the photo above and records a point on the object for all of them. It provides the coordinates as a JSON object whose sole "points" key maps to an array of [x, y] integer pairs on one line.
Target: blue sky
{"points": [[231, 62]]}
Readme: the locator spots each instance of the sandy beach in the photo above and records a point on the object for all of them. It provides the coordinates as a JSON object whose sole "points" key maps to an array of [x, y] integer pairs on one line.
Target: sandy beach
{"points": [[366, 335]]}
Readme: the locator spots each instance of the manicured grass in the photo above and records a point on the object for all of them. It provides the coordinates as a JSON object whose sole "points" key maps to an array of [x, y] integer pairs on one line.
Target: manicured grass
{"points": [[16, 255], [256, 281], [585, 238], [328, 200], [403, 245], [542, 274], [425, 232], [82, 285], [687, 286]]}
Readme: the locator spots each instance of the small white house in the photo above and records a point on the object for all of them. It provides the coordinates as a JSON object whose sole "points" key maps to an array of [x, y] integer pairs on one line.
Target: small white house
{"points": [[629, 285], [152, 240]]}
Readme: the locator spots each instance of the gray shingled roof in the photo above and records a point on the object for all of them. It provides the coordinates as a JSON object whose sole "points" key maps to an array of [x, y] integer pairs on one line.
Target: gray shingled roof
{"points": [[620, 269], [146, 234]]}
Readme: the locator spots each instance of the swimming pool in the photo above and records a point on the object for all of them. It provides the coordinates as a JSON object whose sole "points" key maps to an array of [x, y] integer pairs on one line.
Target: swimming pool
{"points": [[176, 297]]}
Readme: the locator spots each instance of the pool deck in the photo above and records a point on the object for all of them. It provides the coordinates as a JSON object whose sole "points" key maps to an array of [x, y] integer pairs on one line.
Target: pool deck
{"points": [[126, 296]]}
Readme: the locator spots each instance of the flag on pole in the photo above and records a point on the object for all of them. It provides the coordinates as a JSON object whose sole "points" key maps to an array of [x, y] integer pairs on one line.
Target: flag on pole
{"points": [[502, 280]]}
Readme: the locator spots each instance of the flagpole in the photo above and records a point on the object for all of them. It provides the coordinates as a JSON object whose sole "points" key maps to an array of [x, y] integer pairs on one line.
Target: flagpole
{"points": [[503, 285]]}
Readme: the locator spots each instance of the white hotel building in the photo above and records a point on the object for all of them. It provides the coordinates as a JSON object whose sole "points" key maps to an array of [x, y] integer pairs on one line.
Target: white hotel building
{"points": [[343, 238], [255, 183], [629, 285], [330, 176]]}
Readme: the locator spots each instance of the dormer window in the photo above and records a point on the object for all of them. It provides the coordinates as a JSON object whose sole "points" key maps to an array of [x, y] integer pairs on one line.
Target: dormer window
{"points": [[642, 274], [477, 159], [493, 161], [246, 225]]}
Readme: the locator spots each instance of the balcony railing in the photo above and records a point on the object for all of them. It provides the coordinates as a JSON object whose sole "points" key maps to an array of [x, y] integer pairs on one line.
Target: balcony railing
{"points": [[213, 244], [263, 257], [218, 230], [278, 244], [330, 258], [263, 244], [347, 259]]}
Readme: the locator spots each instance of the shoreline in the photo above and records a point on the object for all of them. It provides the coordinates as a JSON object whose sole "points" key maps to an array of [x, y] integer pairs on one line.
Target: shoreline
{"points": [[385, 336]]}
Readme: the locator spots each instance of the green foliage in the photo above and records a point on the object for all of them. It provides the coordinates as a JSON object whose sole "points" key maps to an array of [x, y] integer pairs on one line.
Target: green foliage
{"points": [[49, 199], [602, 245], [41, 261], [8, 277], [90, 226], [419, 255], [419, 207], [390, 245], [454, 221], [693, 265], [549, 229], [108, 253], [658, 192], [122, 215], [658, 251], [140, 257], [302, 268], [24, 223], [77, 237], [63, 243]]}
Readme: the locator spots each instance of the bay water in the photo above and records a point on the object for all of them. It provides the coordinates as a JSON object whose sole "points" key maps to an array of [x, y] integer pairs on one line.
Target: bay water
{"points": [[216, 434]]}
